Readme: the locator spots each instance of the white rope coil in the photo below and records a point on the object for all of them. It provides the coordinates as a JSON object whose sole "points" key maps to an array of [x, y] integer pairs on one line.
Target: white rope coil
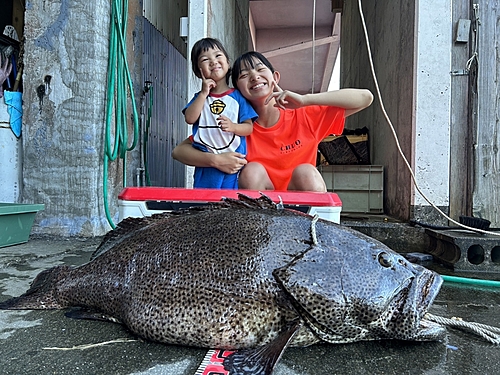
{"points": [[313, 229], [489, 333]]}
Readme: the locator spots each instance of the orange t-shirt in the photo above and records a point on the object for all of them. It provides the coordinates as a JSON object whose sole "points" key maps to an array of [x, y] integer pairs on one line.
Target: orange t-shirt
{"points": [[293, 140]]}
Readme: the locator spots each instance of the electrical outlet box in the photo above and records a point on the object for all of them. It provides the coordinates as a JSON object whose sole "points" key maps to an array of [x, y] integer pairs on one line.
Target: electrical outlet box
{"points": [[183, 27], [463, 31]]}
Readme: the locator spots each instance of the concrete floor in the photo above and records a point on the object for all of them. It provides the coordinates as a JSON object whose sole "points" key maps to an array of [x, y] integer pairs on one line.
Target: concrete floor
{"points": [[26, 335]]}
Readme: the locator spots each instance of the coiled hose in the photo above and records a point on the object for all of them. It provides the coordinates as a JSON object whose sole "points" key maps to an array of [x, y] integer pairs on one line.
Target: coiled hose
{"points": [[119, 84]]}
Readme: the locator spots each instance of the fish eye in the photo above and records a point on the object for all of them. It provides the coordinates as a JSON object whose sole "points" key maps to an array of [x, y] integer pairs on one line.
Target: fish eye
{"points": [[385, 260]]}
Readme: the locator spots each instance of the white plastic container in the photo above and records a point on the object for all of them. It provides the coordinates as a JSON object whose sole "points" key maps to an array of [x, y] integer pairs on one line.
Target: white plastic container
{"points": [[11, 163], [146, 201], [4, 114]]}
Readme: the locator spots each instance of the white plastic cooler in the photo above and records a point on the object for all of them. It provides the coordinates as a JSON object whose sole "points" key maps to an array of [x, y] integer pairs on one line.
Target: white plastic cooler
{"points": [[146, 201]]}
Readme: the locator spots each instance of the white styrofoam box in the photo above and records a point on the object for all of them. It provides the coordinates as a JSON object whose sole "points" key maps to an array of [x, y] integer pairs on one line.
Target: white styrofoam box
{"points": [[140, 209], [11, 165], [4, 113], [146, 201]]}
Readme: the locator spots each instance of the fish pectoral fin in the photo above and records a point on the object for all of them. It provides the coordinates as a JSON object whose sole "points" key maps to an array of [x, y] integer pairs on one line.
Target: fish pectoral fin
{"points": [[261, 360], [91, 315]]}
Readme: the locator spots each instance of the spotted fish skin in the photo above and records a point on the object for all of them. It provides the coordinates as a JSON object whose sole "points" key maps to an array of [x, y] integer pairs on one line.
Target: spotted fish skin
{"points": [[234, 275]]}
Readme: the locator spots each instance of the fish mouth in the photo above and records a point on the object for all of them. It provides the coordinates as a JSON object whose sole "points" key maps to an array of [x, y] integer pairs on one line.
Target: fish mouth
{"points": [[413, 304]]}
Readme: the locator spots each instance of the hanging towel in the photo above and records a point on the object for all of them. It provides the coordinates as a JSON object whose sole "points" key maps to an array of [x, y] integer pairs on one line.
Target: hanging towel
{"points": [[14, 101]]}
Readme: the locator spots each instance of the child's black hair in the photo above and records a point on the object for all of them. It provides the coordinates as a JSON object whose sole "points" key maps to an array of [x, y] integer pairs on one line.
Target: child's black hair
{"points": [[203, 45], [247, 61]]}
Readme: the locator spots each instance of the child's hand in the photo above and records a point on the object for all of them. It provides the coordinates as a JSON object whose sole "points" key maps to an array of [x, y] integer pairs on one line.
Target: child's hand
{"points": [[285, 99], [207, 84], [226, 124], [230, 162]]}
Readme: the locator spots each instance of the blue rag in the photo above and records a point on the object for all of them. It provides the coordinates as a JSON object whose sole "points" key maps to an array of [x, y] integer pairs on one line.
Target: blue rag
{"points": [[14, 101]]}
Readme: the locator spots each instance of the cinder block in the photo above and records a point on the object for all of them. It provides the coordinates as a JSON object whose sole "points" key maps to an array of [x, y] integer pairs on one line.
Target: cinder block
{"points": [[465, 250]]}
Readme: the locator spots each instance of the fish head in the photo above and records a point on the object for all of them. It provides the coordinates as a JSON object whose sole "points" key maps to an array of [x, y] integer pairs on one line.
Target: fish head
{"points": [[370, 294]]}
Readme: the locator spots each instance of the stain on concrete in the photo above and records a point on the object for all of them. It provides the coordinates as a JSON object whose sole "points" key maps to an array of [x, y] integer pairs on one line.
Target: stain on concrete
{"points": [[46, 40]]}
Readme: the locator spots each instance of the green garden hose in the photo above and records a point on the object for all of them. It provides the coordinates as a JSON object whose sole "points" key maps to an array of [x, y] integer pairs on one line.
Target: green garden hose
{"points": [[119, 84], [469, 281]]}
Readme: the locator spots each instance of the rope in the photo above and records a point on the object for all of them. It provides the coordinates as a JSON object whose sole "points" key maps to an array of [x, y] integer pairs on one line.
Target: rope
{"points": [[474, 57], [313, 45], [89, 346], [280, 205], [313, 229], [489, 333]]}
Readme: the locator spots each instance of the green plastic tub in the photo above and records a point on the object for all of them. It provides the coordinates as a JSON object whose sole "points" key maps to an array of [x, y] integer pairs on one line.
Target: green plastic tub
{"points": [[16, 221]]}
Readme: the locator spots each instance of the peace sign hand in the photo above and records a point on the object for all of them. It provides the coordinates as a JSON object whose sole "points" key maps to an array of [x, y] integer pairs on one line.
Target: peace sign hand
{"points": [[285, 99], [207, 84]]}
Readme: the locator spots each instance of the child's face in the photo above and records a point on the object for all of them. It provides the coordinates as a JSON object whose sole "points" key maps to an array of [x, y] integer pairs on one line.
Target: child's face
{"points": [[213, 64], [257, 82]]}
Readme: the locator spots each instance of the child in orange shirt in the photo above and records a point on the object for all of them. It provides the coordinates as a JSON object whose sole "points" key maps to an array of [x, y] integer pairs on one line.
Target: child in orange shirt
{"points": [[283, 146]]}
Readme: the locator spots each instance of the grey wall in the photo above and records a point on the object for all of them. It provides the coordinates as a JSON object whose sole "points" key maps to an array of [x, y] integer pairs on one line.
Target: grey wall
{"points": [[63, 120], [228, 21]]}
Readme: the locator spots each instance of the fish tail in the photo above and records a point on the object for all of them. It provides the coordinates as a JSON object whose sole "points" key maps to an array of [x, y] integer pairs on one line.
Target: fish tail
{"points": [[41, 295]]}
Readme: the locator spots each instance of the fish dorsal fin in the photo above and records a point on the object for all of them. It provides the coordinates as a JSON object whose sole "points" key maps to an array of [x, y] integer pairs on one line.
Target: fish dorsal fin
{"points": [[125, 228], [263, 202], [130, 225], [261, 360]]}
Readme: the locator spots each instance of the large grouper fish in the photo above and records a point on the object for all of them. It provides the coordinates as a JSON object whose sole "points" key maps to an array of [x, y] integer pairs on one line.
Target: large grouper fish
{"points": [[248, 275]]}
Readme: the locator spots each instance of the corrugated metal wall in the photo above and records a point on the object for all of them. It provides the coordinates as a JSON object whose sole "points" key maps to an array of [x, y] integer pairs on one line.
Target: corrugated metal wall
{"points": [[165, 16], [166, 69]]}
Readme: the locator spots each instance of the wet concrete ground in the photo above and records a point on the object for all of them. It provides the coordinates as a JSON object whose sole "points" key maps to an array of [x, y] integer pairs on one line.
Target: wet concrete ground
{"points": [[26, 336]]}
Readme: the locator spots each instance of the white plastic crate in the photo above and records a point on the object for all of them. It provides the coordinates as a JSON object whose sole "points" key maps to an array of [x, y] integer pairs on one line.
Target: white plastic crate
{"points": [[11, 165], [360, 187]]}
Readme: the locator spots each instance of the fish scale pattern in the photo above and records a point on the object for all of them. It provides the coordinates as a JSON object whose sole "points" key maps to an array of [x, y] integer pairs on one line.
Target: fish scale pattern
{"points": [[236, 274]]}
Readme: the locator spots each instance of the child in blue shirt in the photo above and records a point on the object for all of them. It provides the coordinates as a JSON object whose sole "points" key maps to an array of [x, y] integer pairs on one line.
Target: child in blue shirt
{"points": [[220, 115]]}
